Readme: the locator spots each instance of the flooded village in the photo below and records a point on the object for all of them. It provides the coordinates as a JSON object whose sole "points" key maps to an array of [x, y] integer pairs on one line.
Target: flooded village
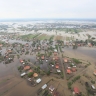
{"points": [[48, 59]]}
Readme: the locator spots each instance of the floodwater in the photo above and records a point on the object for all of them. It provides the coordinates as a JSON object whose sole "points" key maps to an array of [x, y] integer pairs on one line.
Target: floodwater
{"points": [[88, 51], [11, 69]]}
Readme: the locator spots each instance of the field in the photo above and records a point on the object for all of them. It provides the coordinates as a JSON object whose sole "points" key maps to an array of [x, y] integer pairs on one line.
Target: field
{"points": [[43, 36], [29, 36], [59, 37]]}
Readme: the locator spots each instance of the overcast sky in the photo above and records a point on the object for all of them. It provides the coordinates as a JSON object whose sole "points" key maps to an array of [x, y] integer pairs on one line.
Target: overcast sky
{"points": [[47, 9]]}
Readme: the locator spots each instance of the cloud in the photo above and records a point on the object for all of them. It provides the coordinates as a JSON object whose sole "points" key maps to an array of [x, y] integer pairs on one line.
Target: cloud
{"points": [[47, 9]]}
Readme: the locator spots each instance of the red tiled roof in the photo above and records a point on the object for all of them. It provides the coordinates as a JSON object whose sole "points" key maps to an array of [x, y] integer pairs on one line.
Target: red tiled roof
{"points": [[53, 58], [57, 66], [69, 71], [26, 67], [76, 90]]}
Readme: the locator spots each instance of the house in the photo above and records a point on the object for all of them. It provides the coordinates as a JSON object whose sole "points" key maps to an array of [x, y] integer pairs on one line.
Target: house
{"points": [[27, 67], [65, 60], [39, 48], [58, 70], [89, 44], [21, 61], [69, 71], [9, 51], [93, 87], [74, 69], [55, 50], [56, 93], [42, 57], [52, 65], [26, 44], [94, 72], [51, 88], [1, 45], [44, 86], [30, 71], [55, 53], [56, 58], [38, 80], [56, 66], [35, 75], [23, 74], [76, 90]]}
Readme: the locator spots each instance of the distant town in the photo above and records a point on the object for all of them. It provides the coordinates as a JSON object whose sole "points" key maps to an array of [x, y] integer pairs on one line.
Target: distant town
{"points": [[48, 58]]}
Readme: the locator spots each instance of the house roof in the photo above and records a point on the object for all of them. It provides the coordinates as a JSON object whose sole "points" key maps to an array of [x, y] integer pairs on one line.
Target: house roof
{"points": [[56, 93], [69, 71], [1, 45], [58, 70], [30, 70], [76, 90], [56, 58], [27, 44], [51, 88], [55, 53], [95, 72], [53, 58], [38, 47], [65, 60], [74, 69], [21, 61], [44, 86], [57, 66], [42, 57], [26, 67], [35, 75]]}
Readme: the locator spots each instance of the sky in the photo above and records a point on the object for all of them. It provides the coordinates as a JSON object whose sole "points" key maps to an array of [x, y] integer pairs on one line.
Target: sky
{"points": [[10, 9]]}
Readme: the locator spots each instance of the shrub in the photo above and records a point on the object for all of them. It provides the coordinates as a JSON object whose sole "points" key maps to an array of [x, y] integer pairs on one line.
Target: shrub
{"points": [[92, 81], [48, 72], [30, 74], [76, 61]]}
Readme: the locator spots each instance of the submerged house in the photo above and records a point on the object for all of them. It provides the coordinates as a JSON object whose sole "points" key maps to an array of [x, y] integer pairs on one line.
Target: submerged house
{"points": [[76, 90], [65, 60], [27, 67]]}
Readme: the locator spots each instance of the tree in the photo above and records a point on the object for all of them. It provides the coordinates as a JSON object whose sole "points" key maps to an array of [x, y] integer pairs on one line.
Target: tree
{"points": [[48, 72]]}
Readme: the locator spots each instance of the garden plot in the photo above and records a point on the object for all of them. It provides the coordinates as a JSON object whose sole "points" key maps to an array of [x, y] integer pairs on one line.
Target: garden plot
{"points": [[43, 36], [29, 36]]}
